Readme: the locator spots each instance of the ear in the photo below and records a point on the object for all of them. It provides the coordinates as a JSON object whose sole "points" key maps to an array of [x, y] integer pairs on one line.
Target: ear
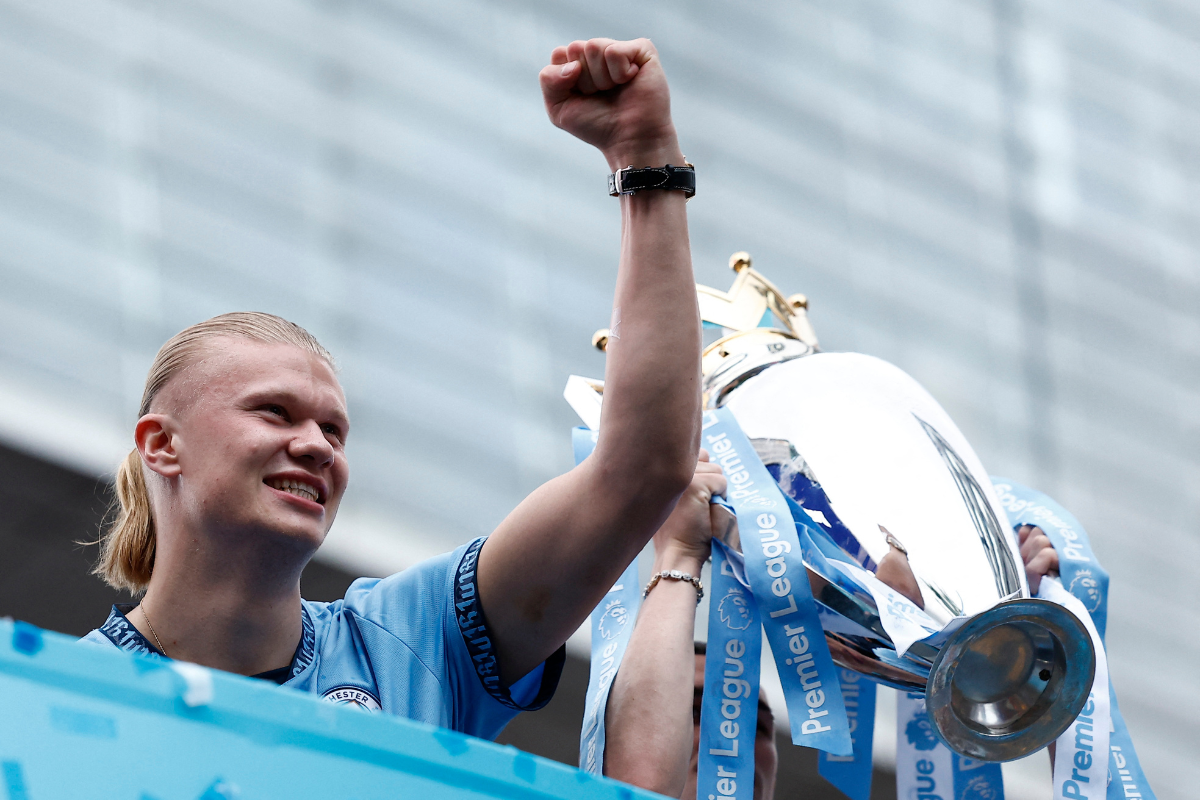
{"points": [[155, 439]]}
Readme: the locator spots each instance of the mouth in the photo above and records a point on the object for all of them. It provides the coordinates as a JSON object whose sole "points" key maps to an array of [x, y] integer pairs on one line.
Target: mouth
{"points": [[299, 488]]}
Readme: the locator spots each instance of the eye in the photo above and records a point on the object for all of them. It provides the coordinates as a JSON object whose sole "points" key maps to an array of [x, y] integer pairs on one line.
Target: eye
{"points": [[332, 430], [275, 409]]}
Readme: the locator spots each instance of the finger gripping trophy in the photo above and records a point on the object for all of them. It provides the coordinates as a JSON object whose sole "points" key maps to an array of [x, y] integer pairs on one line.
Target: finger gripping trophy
{"points": [[875, 462]]}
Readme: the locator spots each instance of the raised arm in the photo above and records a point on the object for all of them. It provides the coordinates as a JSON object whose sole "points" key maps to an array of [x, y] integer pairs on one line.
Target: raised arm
{"points": [[550, 561], [648, 723]]}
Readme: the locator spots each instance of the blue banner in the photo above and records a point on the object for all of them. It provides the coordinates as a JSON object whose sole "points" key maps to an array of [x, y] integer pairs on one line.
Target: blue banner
{"points": [[80, 721], [852, 774], [776, 573], [612, 624], [729, 713]]}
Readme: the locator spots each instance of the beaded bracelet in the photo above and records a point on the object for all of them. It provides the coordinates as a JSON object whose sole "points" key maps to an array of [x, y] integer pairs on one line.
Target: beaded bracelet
{"points": [[675, 575]]}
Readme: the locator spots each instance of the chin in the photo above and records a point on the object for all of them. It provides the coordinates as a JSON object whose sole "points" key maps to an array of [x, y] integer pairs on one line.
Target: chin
{"points": [[288, 533], [303, 537]]}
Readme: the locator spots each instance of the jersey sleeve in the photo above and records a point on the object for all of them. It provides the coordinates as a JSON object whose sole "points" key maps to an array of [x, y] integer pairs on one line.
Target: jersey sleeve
{"points": [[471, 654], [434, 609]]}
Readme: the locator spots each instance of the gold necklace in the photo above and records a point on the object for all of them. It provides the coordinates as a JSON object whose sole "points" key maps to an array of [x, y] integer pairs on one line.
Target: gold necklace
{"points": [[163, 650]]}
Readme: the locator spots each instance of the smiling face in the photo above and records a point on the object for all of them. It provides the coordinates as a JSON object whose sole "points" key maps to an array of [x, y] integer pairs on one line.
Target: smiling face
{"points": [[258, 433]]}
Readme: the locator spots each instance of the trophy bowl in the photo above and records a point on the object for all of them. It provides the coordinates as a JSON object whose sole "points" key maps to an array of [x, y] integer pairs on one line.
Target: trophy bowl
{"points": [[871, 456]]}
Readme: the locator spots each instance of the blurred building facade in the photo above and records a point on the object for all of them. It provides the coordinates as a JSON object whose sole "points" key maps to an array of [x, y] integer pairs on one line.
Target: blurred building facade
{"points": [[1002, 198]]}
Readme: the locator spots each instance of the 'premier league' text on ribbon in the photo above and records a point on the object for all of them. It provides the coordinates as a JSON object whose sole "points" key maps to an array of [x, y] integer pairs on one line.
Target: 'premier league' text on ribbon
{"points": [[729, 709], [780, 586]]}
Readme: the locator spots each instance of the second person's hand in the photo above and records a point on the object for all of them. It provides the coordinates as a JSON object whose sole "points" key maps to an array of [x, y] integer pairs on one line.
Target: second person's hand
{"points": [[683, 541]]}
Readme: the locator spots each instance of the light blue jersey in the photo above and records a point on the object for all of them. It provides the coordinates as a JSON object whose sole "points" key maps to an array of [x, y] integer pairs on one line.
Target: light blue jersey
{"points": [[415, 644]]}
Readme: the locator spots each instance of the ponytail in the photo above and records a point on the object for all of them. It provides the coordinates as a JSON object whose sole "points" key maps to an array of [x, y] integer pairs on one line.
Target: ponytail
{"points": [[128, 543], [127, 546]]}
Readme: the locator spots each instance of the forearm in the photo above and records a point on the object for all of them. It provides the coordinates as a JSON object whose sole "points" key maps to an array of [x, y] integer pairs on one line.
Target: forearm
{"points": [[651, 419], [648, 722], [593, 521]]}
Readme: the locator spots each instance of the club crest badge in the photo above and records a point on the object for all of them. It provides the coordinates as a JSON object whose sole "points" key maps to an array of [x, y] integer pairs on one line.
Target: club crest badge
{"points": [[353, 696], [612, 622], [734, 610]]}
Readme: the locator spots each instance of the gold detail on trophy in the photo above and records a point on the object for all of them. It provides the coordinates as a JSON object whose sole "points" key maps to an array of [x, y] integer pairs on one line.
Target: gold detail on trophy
{"points": [[600, 339], [747, 348], [742, 308]]}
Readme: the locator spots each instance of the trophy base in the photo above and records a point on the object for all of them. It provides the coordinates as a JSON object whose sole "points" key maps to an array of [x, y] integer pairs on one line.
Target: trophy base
{"points": [[1011, 680]]}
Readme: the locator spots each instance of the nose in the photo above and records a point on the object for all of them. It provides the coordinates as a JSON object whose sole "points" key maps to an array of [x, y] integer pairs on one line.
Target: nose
{"points": [[310, 444]]}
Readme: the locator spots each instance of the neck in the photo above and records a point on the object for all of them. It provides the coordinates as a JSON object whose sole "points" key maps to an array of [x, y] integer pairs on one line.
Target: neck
{"points": [[232, 609]]}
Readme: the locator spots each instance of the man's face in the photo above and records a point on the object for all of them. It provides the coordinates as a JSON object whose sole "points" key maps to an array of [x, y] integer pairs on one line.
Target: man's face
{"points": [[260, 433], [766, 759]]}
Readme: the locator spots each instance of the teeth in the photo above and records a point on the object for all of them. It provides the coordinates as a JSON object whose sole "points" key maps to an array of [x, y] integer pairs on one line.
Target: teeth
{"points": [[296, 488]]}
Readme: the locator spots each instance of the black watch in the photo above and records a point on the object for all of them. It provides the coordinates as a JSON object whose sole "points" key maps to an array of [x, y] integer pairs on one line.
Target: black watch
{"points": [[632, 180]]}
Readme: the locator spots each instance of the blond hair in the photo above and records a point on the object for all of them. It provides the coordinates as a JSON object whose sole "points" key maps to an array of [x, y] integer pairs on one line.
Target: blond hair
{"points": [[127, 543]]}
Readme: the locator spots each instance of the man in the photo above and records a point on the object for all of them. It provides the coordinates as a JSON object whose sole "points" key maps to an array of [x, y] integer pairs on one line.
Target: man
{"points": [[240, 465]]}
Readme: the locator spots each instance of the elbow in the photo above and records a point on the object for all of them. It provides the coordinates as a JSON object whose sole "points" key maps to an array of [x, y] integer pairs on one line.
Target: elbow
{"points": [[664, 483], [649, 479], [672, 479]]}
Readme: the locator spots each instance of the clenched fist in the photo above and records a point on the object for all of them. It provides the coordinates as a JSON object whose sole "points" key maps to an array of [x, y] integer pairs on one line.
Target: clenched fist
{"points": [[613, 95]]}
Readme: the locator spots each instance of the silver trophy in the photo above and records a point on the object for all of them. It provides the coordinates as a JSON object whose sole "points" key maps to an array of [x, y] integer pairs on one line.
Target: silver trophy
{"points": [[871, 455]]}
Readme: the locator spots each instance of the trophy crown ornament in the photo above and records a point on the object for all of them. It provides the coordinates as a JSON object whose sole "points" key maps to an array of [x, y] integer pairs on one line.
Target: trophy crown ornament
{"points": [[867, 454]]}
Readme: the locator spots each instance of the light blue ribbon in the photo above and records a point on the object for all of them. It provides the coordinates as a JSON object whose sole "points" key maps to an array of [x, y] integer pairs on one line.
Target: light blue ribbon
{"points": [[1083, 577], [612, 624], [852, 774], [926, 769], [776, 573], [729, 712]]}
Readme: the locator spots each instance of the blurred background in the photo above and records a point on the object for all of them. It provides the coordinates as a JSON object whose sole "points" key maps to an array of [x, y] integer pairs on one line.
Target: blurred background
{"points": [[999, 197]]}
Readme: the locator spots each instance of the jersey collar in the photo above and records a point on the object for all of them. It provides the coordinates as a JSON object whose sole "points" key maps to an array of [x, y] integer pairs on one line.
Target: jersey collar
{"points": [[121, 632]]}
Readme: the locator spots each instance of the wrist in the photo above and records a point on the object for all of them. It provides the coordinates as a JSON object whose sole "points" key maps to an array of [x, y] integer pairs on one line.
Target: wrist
{"points": [[679, 559], [656, 152]]}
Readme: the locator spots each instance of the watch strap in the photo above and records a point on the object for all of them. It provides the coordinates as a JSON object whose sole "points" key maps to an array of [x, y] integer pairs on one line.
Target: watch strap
{"points": [[631, 180]]}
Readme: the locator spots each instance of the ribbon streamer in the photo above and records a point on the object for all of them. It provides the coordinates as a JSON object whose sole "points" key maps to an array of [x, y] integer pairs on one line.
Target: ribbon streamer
{"points": [[852, 774], [1080, 769], [1086, 581], [777, 576], [612, 624], [729, 711]]}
